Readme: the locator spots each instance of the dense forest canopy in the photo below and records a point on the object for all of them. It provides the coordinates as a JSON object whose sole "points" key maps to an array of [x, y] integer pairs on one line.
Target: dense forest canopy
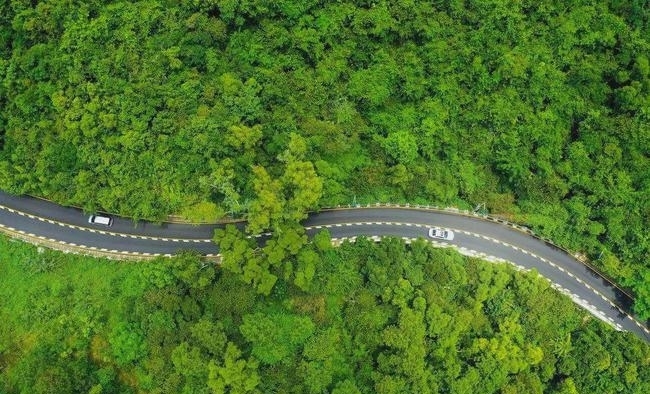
{"points": [[539, 109], [372, 318]]}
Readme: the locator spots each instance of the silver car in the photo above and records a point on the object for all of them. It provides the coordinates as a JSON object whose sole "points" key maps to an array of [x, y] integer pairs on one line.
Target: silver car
{"points": [[440, 233], [97, 219]]}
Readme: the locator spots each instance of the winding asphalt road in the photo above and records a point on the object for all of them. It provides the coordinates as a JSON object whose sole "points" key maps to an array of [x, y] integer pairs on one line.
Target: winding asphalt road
{"points": [[474, 236]]}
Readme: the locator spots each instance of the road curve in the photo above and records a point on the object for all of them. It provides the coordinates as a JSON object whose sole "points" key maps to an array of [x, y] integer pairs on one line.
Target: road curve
{"points": [[45, 220]]}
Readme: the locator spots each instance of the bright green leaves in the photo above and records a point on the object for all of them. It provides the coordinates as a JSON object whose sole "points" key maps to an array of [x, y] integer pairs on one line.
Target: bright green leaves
{"points": [[504, 349], [376, 83], [128, 344], [204, 211], [346, 387], [243, 137], [239, 256], [324, 360], [376, 20], [235, 375], [303, 188], [269, 204], [289, 239], [256, 272], [322, 240], [233, 247], [285, 254], [241, 98], [192, 272], [222, 179], [209, 336], [642, 305], [190, 363], [405, 357], [186, 269], [276, 337], [288, 197], [401, 146], [306, 269]]}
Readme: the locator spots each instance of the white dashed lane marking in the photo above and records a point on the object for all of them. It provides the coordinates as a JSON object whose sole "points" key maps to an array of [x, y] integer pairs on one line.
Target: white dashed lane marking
{"points": [[133, 236], [586, 305], [512, 247], [103, 232]]}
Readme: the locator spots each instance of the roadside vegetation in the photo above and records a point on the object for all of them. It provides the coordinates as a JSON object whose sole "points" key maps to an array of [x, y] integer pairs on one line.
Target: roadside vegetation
{"points": [[538, 110], [367, 318]]}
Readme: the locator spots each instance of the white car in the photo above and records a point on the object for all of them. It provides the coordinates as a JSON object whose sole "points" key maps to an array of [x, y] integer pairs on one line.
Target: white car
{"points": [[97, 219], [441, 233]]}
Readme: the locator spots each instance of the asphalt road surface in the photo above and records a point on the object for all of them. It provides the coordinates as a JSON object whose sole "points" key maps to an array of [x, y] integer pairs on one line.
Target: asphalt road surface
{"points": [[473, 236]]}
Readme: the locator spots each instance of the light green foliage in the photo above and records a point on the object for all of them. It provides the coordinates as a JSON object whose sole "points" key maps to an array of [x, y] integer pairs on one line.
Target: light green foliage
{"points": [[262, 267], [291, 238], [324, 360], [407, 350], [243, 137], [203, 212], [209, 336], [49, 317], [268, 205], [239, 257], [275, 337], [189, 363], [306, 269], [402, 146], [127, 343], [191, 272], [285, 199], [236, 375], [346, 387], [642, 305], [322, 240], [303, 188]]}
